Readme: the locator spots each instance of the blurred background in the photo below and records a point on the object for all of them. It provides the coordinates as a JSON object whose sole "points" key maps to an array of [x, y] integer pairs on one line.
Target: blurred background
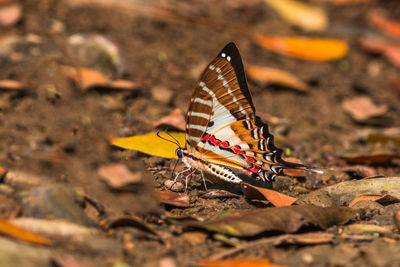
{"points": [[75, 74]]}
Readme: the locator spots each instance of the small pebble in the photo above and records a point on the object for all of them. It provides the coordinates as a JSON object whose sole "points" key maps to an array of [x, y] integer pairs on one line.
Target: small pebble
{"points": [[174, 186]]}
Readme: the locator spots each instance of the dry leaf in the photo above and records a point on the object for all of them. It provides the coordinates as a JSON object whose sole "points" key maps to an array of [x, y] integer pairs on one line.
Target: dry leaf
{"points": [[377, 198], [276, 198], [343, 193], [304, 48], [300, 14], [174, 199], [11, 85], [390, 27], [236, 263], [118, 176], [275, 76], [10, 229], [10, 14], [174, 119], [152, 144], [284, 219], [390, 49], [369, 157], [362, 108], [85, 78]]}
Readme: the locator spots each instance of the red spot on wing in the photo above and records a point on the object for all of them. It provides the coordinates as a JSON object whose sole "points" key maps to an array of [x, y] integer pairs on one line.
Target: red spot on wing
{"points": [[224, 144], [254, 169], [205, 138]]}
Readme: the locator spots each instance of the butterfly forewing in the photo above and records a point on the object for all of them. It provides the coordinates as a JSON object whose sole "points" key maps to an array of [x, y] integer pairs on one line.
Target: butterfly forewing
{"points": [[219, 98], [221, 126]]}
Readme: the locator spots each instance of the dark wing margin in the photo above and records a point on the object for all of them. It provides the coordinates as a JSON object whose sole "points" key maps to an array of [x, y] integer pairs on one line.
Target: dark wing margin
{"points": [[237, 64]]}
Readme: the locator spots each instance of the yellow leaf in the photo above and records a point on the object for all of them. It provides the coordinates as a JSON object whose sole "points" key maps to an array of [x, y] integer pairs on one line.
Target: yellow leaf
{"points": [[152, 144], [10, 229], [318, 49], [305, 16]]}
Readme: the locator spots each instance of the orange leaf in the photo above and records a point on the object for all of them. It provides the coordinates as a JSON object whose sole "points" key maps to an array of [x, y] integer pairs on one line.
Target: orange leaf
{"points": [[236, 263], [276, 76], [388, 26], [377, 198], [86, 78], [276, 198], [10, 229], [304, 48]]}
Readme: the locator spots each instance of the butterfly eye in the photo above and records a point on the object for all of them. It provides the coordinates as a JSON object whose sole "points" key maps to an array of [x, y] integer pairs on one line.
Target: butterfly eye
{"points": [[179, 153]]}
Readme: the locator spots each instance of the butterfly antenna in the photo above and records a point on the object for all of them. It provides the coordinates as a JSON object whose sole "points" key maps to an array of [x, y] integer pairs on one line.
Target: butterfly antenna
{"points": [[176, 141]]}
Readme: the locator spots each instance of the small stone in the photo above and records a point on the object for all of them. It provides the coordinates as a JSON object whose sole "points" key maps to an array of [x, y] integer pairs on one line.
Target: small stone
{"points": [[6, 190], [174, 186], [282, 183], [53, 201]]}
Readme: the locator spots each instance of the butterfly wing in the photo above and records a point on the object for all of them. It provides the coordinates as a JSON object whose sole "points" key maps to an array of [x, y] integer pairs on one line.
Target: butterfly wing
{"points": [[221, 126]]}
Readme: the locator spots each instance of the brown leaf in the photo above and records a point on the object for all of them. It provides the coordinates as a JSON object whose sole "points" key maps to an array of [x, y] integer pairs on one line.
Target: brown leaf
{"points": [[361, 109], [10, 229], [174, 199], [388, 26], [369, 158], [276, 198], [390, 49], [343, 193], [267, 75], [359, 171], [175, 119], [119, 177], [236, 263], [378, 198], [284, 219]]}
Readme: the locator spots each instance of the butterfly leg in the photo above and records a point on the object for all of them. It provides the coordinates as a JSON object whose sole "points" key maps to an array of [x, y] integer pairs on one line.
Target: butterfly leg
{"points": [[187, 178], [179, 174], [204, 180]]}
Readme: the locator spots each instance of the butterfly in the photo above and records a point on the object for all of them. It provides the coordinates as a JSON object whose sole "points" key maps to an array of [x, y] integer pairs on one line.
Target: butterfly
{"points": [[223, 134]]}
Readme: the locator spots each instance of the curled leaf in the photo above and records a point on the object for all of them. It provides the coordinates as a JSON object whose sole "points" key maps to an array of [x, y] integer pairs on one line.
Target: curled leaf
{"points": [[275, 76], [152, 144], [119, 177], [300, 14], [174, 199], [276, 198], [317, 49]]}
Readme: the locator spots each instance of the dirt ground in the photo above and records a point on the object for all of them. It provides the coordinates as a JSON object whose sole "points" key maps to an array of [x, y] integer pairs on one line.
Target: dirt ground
{"points": [[60, 134]]}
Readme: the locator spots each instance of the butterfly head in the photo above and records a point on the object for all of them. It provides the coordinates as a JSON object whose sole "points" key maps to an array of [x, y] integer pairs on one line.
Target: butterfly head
{"points": [[179, 153]]}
